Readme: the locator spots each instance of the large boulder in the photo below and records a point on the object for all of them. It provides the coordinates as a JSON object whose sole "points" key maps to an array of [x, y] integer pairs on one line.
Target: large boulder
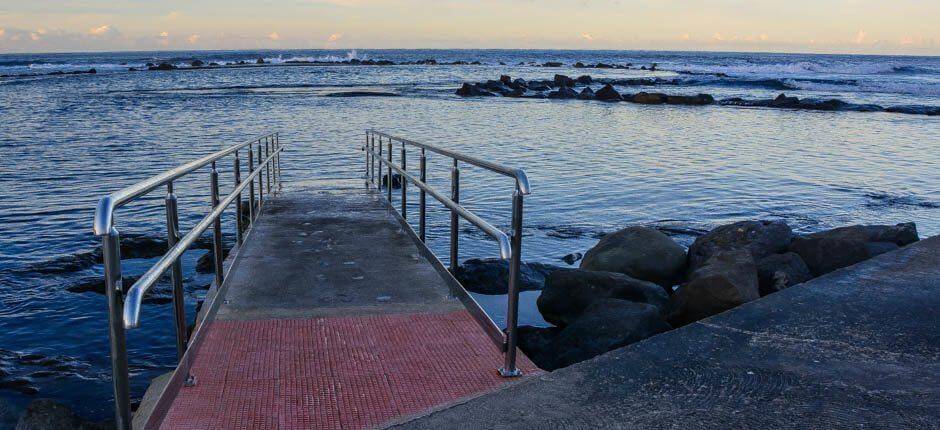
{"points": [[608, 94], [649, 98], [834, 249], [584, 80], [491, 275], [696, 100], [47, 414], [472, 90], [778, 271], [564, 93], [606, 325], [760, 238], [726, 280], [534, 341], [586, 94], [568, 292], [564, 81], [639, 252]]}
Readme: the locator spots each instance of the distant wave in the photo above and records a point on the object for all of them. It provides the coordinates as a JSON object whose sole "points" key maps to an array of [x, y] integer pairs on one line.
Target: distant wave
{"points": [[805, 67]]}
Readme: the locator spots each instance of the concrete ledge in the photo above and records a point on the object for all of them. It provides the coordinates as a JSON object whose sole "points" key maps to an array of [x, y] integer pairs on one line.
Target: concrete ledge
{"points": [[859, 347]]}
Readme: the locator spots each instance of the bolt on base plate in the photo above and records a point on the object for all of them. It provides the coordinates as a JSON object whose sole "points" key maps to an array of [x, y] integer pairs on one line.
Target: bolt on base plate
{"points": [[509, 373]]}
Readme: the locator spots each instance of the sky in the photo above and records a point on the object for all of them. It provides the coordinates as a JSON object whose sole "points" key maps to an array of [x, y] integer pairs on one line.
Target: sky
{"points": [[824, 26]]}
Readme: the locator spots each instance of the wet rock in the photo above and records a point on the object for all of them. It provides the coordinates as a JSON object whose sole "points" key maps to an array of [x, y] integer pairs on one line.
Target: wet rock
{"points": [[8, 414], [473, 90], [533, 341], [782, 101], [363, 94], [639, 252], [608, 93], [572, 258], [568, 292], [586, 94], [563, 93], [396, 181], [726, 280], [564, 81], [537, 86], [649, 98], [606, 325], [579, 65], [834, 249], [206, 262], [260, 61], [20, 385], [760, 238], [491, 275], [552, 64], [519, 83], [197, 63], [584, 80], [161, 66], [47, 414], [697, 100], [915, 109], [506, 80], [779, 271]]}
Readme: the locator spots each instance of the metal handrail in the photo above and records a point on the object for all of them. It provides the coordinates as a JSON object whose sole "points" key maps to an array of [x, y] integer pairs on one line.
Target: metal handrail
{"points": [[510, 246], [124, 309]]}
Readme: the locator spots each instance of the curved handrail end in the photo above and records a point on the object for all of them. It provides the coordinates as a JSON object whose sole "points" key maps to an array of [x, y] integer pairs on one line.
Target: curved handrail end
{"points": [[522, 182], [132, 304], [505, 247], [104, 216]]}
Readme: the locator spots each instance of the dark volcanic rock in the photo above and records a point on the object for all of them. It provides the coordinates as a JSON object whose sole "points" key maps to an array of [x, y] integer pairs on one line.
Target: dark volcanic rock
{"points": [[47, 414], [197, 63], [608, 93], [639, 252], [552, 64], [563, 93], [568, 292], [829, 250], [606, 325], [534, 341], [491, 275], [572, 258], [564, 81], [472, 90], [915, 109], [586, 94], [726, 280], [649, 98], [260, 61], [584, 80], [206, 262], [778, 271], [162, 66], [697, 100], [760, 238], [506, 80]]}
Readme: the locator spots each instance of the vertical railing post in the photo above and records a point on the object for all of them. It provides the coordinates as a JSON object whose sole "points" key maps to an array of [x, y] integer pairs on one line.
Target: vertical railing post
{"points": [[277, 160], [378, 169], [216, 226], [239, 222], [512, 311], [365, 148], [389, 185], [267, 165], [454, 218], [260, 178], [372, 167], [176, 272], [404, 184], [251, 187], [111, 247], [422, 209]]}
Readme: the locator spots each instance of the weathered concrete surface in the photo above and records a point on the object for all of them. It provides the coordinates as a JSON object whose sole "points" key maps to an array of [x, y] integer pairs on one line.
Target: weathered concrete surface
{"points": [[858, 348]]}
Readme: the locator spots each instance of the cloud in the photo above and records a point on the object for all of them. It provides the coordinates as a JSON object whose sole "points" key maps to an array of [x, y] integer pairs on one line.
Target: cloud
{"points": [[164, 34], [3, 31], [174, 15], [587, 36], [334, 37], [192, 39], [860, 37], [685, 37], [35, 36], [274, 36], [100, 31]]}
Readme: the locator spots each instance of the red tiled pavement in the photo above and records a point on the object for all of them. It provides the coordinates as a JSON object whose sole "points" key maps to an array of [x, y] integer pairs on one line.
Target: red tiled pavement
{"points": [[336, 372]]}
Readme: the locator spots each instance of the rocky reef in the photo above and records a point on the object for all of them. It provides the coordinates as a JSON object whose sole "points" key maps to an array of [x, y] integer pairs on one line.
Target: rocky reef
{"points": [[637, 282]]}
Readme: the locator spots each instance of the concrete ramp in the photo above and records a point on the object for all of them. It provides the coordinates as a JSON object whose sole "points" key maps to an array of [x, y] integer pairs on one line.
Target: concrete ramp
{"points": [[332, 317], [858, 348]]}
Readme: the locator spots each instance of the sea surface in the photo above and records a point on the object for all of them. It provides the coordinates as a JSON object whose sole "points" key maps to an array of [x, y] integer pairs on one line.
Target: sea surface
{"points": [[67, 140]]}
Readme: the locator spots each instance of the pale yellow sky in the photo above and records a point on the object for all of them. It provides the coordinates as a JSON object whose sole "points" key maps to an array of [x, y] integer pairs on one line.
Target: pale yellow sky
{"points": [[829, 26]]}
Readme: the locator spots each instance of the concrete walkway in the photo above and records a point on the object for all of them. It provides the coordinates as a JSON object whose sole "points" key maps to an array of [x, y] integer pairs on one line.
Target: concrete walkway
{"points": [[332, 318], [858, 348]]}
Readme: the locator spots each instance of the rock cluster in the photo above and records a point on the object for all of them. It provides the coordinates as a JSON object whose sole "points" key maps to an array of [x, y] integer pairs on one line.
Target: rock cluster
{"points": [[626, 287], [565, 87], [43, 414]]}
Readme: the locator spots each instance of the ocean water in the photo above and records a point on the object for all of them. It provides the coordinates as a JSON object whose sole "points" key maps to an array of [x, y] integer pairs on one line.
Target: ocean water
{"points": [[68, 140]]}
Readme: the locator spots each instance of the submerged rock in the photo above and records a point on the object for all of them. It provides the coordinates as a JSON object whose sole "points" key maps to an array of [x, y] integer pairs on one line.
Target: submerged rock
{"points": [[834, 249], [161, 66], [206, 262], [727, 279], [472, 90], [47, 414], [363, 94], [649, 98], [696, 100], [491, 275], [779, 271], [760, 238], [572, 258], [639, 252], [606, 325], [568, 292]]}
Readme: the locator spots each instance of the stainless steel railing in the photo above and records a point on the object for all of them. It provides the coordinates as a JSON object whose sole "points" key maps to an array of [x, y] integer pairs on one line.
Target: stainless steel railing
{"points": [[510, 246], [124, 304]]}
